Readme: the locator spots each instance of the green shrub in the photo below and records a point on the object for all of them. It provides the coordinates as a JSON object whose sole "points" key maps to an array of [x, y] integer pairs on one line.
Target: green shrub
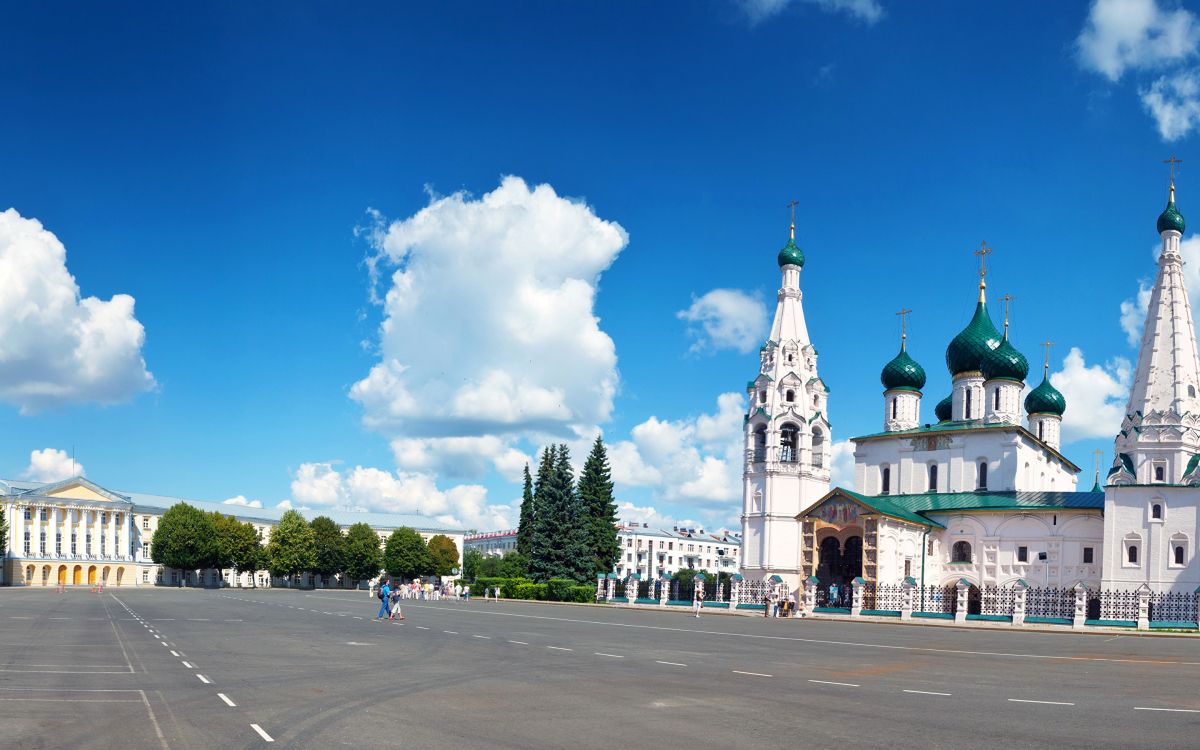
{"points": [[482, 583], [530, 591], [559, 589], [509, 588], [581, 594]]}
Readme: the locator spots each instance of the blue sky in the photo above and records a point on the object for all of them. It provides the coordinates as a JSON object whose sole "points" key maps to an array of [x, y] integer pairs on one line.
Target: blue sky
{"points": [[252, 178]]}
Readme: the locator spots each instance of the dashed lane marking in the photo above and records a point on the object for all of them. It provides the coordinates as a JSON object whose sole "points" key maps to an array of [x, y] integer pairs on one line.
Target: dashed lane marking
{"points": [[926, 692], [611, 656], [1044, 703], [225, 698], [560, 648], [175, 654], [450, 632], [1173, 710], [670, 663], [261, 733], [189, 665], [752, 674], [485, 637], [204, 679], [842, 684], [519, 643]]}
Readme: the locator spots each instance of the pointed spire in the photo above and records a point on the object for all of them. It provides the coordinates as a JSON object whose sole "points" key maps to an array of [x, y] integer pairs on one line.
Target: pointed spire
{"points": [[1096, 486], [903, 327], [983, 252], [792, 228], [1007, 299]]}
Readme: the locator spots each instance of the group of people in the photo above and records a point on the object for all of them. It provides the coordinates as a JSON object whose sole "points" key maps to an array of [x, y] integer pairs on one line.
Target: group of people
{"points": [[777, 606], [390, 594]]}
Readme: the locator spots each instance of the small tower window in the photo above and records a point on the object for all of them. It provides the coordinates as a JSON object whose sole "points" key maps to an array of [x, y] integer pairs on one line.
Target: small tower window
{"points": [[885, 480], [983, 475], [1191, 391], [933, 479], [894, 408], [788, 443], [1041, 430], [1022, 554], [960, 552], [1132, 554], [760, 443], [968, 404], [1156, 512], [762, 397], [816, 400], [818, 448], [789, 396], [1178, 554], [1160, 474], [996, 399]]}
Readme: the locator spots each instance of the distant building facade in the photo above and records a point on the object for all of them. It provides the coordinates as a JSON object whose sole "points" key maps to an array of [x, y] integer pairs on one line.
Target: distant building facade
{"points": [[492, 543]]}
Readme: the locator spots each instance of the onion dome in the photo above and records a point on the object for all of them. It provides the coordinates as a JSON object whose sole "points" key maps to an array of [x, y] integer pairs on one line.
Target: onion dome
{"points": [[791, 255], [1005, 363], [903, 373], [945, 409], [1170, 218], [1045, 399], [966, 350]]}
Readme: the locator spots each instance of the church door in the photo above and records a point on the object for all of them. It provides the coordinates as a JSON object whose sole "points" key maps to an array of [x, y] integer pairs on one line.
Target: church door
{"points": [[852, 559], [829, 563], [974, 600]]}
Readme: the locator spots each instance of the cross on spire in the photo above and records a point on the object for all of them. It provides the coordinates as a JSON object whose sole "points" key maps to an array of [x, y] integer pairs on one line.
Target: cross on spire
{"points": [[1098, 454], [904, 311], [1007, 298], [1172, 161], [982, 252], [792, 229], [1046, 367]]}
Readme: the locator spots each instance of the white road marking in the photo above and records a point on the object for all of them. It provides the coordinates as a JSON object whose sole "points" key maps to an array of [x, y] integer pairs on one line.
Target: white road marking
{"points": [[450, 632], [175, 653], [197, 619], [164, 643], [189, 665], [225, 698], [611, 656], [670, 663], [827, 682], [519, 643], [925, 692], [560, 648], [1045, 703], [204, 679], [156, 635], [1173, 710], [261, 733], [485, 637], [421, 627], [752, 674]]}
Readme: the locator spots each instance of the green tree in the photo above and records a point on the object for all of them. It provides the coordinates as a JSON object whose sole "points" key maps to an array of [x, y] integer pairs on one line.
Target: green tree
{"points": [[247, 553], [185, 539], [599, 509], [472, 560], [513, 565], [237, 543], [528, 514], [443, 554], [539, 538], [363, 557], [405, 555], [561, 550], [3, 534], [330, 546], [292, 549]]}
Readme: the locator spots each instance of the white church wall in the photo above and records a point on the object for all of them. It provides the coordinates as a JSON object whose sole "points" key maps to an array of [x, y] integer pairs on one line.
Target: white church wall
{"points": [[1129, 521]]}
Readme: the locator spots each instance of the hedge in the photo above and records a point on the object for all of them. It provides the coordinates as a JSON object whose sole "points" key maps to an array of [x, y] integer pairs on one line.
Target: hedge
{"points": [[531, 591], [581, 594], [558, 589]]}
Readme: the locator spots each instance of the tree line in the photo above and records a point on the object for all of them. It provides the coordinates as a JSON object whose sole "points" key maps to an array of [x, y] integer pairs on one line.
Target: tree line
{"points": [[187, 538], [567, 530]]}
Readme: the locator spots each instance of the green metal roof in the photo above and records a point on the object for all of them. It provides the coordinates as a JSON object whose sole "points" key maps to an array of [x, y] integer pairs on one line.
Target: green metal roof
{"points": [[1004, 362], [791, 255], [966, 350], [903, 372], [1170, 218], [915, 508], [944, 409]]}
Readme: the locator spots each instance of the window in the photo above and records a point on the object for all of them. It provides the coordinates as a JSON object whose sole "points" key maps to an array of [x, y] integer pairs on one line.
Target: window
{"points": [[44, 514], [58, 543], [762, 397], [1022, 554], [145, 522], [1041, 430], [1131, 554], [996, 399], [1089, 555], [670, 545], [73, 550], [885, 480], [1156, 512], [1191, 391], [933, 484], [760, 443], [629, 543], [27, 538], [983, 475], [929, 549], [893, 408], [1179, 554], [961, 552], [628, 557], [816, 400], [818, 448], [42, 545], [1160, 474], [908, 566], [789, 396], [788, 443], [968, 399], [145, 575], [670, 560], [28, 513]]}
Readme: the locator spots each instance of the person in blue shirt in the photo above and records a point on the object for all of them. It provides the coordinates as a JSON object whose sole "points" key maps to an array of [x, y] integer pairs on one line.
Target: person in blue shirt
{"points": [[384, 592]]}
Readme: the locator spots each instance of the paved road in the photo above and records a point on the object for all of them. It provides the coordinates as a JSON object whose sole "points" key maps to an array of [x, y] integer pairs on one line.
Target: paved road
{"points": [[229, 669]]}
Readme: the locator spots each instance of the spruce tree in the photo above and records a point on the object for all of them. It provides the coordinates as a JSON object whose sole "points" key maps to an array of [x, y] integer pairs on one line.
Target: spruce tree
{"points": [[574, 555], [560, 544], [543, 523], [599, 511], [525, 525]]}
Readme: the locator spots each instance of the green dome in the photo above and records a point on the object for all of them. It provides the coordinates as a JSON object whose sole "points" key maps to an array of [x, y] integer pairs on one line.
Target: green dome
{"points": [[1005, 362], [966, 350], [791, 255], [1045, 399], [1170, 218], [945, 409], [903, 373]]}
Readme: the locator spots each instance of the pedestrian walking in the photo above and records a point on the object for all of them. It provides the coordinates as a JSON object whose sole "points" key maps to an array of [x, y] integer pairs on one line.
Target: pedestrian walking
{"points": [[384, 592], [698, 599]]}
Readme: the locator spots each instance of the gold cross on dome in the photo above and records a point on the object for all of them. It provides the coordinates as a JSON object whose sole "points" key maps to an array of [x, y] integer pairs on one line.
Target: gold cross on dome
{"points": [[1007, 298], [1047, 344], [904, 311], [792, 207], [983, 252], [1172, 161]]}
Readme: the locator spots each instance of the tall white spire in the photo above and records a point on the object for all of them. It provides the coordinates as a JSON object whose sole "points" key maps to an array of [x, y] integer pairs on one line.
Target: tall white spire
{"points": [[1161, 429]]}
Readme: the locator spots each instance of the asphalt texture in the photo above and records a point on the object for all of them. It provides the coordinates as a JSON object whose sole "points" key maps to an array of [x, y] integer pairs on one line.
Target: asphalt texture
{"points": [[191, 669]]}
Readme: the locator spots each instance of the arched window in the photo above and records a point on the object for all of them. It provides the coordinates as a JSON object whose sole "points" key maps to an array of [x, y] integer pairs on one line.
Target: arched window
{"points": [[816, 400], [960, 552], [893, 408], [1160, 474], [788, 443], [1191, 391], [789, 396], [1179, 554], [967, 415], [933, 479], [760, 443], [818, 447], [1156, 512], [885, 480], [1041, 430], [996, 399], [762, 397], [983, 475], [1132, 554]]}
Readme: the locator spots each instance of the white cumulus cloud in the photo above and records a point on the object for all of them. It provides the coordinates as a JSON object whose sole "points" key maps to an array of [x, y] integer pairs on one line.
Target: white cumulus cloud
{"points": [[1132, 34], [1174, 103], [1096, 395], [1133, 310], [242, 501], [57, 348], [51, 465], [869, 11], [1133, 313], [725, 319], [841, 465]]}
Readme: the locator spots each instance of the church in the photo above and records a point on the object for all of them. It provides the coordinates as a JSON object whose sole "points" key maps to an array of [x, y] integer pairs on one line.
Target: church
{"points": [[982, 492]]}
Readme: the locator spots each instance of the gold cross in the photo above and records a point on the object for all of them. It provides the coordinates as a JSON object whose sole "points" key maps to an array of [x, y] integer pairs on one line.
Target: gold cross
{"points": [[1172, 161], [792, 205], [983, 252], [1007, 298], [1047, 343], [1098, 453], [904, 311]]}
